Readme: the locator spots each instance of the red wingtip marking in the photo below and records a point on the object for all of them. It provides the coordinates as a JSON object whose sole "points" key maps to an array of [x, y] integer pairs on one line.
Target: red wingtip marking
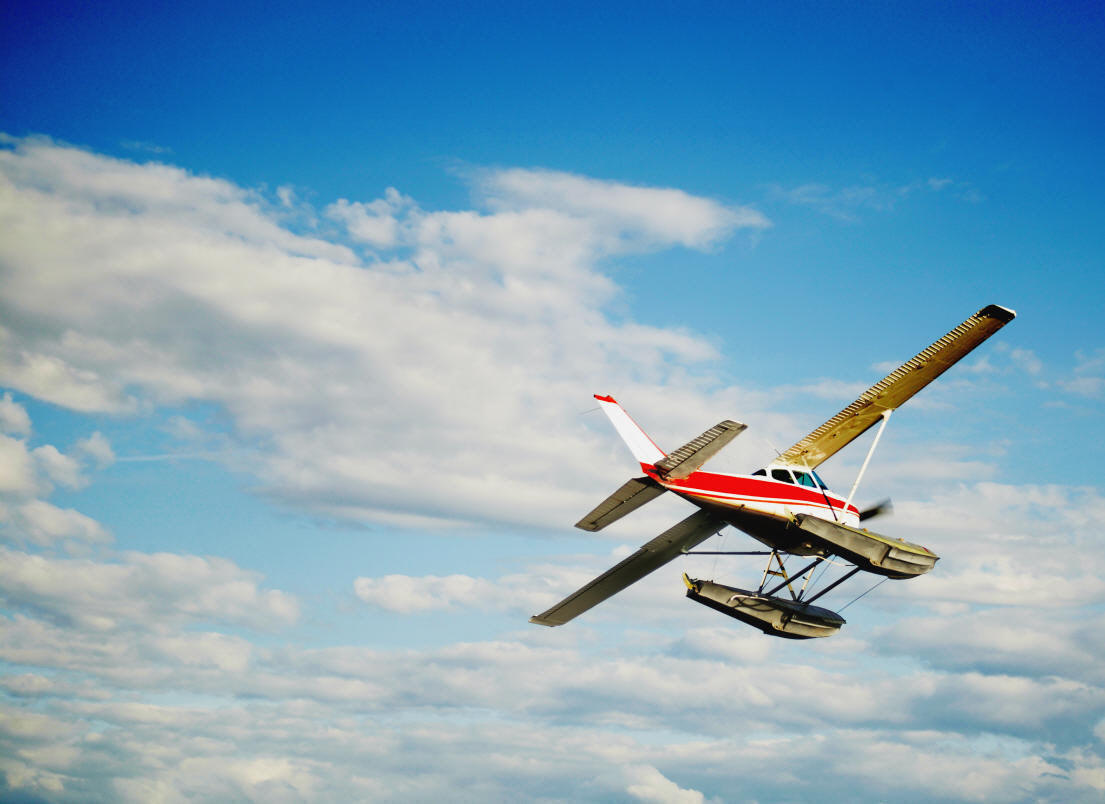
{"points": [[606, 399]]}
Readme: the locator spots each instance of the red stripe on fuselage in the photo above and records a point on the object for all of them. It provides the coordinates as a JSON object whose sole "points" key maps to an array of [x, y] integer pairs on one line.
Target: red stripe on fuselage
{"points": [[750, 488]]}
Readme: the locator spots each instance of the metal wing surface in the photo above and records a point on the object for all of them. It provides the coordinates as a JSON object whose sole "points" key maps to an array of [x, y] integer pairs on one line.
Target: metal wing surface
{"points": [[626, 500], [689, 458], [670, 544], [895, 389]]}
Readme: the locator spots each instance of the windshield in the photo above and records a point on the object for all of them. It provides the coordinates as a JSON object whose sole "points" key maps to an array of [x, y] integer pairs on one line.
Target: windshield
{"points": [[804, 479]]}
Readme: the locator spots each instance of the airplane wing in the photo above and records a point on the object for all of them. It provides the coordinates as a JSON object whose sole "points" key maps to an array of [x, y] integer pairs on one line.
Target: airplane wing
{"points": [[895, 389], [670, 544]]}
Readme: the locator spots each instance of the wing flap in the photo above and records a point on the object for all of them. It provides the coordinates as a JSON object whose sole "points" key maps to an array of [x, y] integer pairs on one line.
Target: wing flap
{"points": [[895, 389], [686, 460], [625, 500], [670, 544]]}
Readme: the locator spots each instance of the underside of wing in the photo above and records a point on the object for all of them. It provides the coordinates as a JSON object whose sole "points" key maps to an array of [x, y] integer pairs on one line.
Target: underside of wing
{"points": [[626, 500], [670, 544], [895, 389]]}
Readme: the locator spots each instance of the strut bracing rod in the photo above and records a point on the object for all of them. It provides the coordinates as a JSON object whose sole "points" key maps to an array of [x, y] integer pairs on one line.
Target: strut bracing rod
{"points": [[795, 576], [834, 584], [870, 452], [726, 552]]}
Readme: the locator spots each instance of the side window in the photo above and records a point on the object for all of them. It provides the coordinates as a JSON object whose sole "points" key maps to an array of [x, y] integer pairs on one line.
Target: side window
{"points": [[762, 472], [820, 482], [782, 474]]}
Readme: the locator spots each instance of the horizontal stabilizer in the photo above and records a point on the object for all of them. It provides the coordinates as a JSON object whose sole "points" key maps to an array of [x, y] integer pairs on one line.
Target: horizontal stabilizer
{"points": [[686, 460], [670, 544], [625, 500]]}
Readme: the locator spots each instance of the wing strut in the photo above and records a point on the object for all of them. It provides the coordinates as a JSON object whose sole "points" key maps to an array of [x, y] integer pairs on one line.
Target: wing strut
{"points": [[870, 452]]}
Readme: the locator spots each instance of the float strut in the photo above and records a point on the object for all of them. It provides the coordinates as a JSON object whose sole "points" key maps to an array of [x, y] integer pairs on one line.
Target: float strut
{"points": [[834, 584], [795, 576]]}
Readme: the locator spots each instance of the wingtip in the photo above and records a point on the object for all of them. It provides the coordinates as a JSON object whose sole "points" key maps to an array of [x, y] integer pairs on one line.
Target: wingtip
{"points": [[1003, 314], [602, 398]]}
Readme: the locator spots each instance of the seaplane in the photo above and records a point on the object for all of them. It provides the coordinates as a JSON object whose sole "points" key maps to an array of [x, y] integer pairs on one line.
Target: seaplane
{"points": [[785, 506]]}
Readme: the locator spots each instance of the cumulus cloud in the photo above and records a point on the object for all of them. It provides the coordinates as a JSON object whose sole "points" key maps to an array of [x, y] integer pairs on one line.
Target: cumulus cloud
{"points": [[97, 448], [404, 594], [648, 784], [27, 475], [18, 473], [13, 417], [142, 589], [62, 469], [43, 523], [512, 717], [430, 367], [626, 216], [376, 222], [524, 715], [459, 354]]}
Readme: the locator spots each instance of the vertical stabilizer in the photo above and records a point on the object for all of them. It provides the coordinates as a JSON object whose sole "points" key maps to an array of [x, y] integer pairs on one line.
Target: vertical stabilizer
{"points": [[639, 444]]}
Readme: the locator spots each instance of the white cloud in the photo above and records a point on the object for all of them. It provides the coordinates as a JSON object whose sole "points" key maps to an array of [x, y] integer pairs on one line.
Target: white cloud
{"points": [[442, 382], [624, 213], [18, 473], [13, 417], [53, 380], [648, 784], [43, 523], [26, 475], [405, 595], [143, 590], [98, 448], [462, 363], [59, 468], [375, 223]]}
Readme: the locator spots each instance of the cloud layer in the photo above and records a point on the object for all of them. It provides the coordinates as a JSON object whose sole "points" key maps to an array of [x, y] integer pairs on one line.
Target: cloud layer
{"points": [[437, 356], [379, 361]]}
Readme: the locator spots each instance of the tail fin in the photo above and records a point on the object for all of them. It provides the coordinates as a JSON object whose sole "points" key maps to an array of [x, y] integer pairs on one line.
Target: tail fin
{"points": [[642, 447]]}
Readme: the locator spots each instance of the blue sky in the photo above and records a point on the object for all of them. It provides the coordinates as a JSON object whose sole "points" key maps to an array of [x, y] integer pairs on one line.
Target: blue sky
{"points": [[301, 309]]}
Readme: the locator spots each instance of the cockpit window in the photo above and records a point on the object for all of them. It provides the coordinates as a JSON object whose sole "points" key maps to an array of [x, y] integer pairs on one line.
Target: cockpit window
{"points": [[760, 472], [782, 474], [804, 479], [820, 482]]}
